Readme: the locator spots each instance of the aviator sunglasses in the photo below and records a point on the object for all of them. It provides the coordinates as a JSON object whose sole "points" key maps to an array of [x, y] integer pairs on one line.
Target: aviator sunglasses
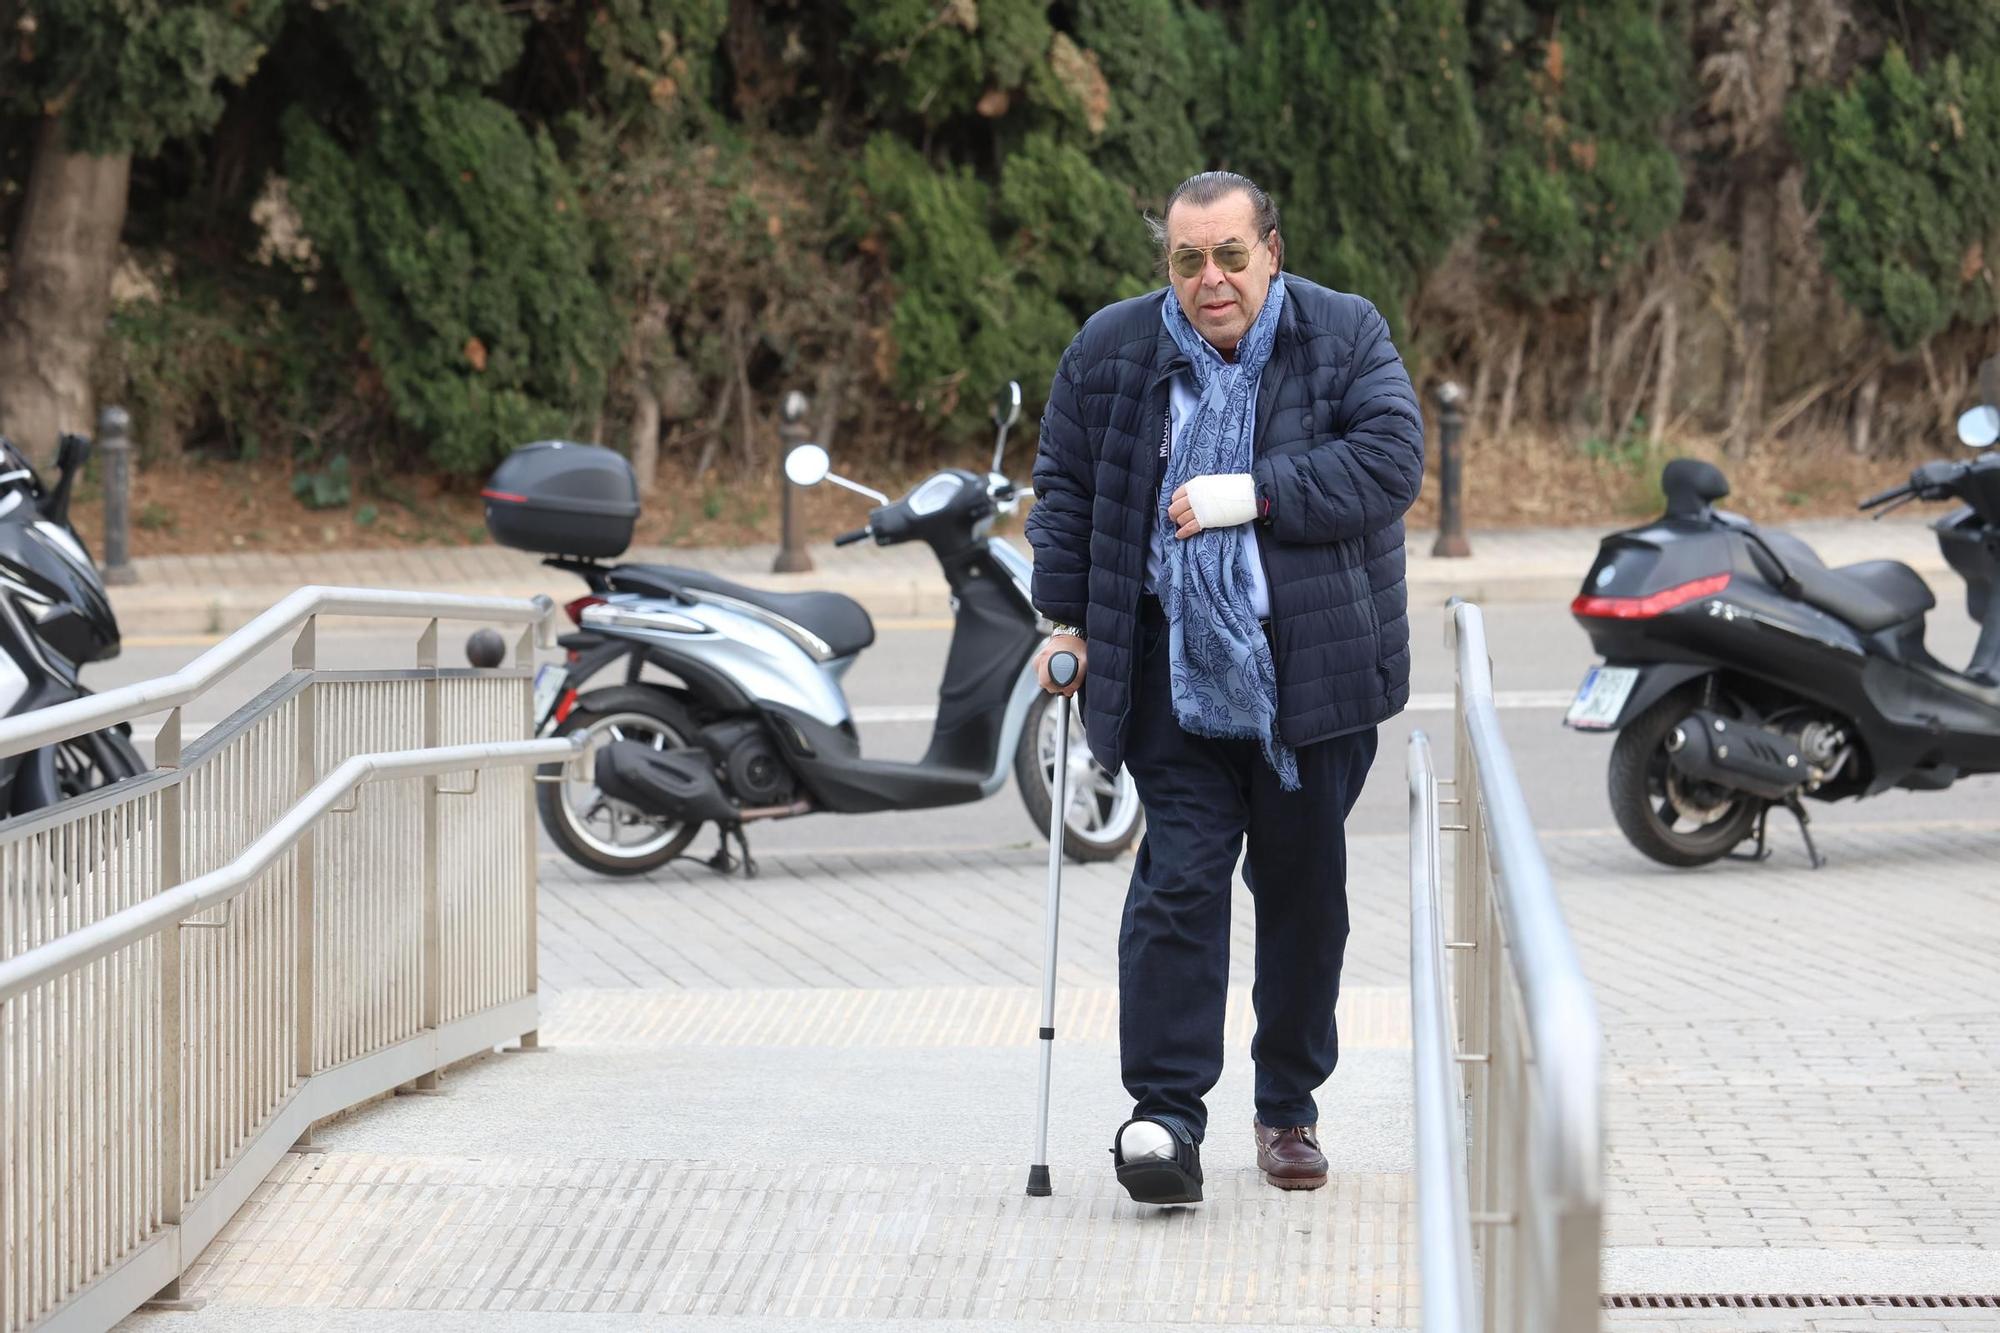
{"points": [[1230, 257]]}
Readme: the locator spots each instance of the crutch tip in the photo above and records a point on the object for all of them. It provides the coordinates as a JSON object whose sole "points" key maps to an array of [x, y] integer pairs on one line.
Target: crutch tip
{"points": [[1038, 1182]]}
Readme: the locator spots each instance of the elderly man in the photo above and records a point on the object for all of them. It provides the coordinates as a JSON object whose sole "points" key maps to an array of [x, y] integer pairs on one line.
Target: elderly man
{"points": [[1218, 532]]}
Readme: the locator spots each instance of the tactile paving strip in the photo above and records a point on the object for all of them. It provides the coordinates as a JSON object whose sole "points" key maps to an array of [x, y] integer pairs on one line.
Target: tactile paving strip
{"points": [[1370, 1017], [833, 1242]]}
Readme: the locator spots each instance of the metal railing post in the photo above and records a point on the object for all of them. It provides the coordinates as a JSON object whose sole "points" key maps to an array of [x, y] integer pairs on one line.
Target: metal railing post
{"points": [[1444, 1231], [429, 851], [305, 772], [524, 656], [172, 1038]]}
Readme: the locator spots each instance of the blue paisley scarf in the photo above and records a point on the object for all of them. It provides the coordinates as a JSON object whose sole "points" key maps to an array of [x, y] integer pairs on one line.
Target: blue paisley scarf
{"points": [[1225, 683]]}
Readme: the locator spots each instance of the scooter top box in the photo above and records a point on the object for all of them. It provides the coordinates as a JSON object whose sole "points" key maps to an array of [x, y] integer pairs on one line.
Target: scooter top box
{"points": [[555, 497]]}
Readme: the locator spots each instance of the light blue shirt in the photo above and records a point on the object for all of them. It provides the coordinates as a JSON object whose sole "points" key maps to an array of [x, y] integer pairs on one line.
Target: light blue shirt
{"points": [[1181, 399]]}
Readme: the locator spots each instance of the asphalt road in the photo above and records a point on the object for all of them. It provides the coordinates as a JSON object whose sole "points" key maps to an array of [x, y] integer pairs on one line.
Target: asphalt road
{"points": [[1539, 655]]}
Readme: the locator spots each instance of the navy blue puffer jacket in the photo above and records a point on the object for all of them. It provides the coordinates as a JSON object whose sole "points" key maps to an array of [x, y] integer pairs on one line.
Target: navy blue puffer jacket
{"points": [[1339, 456]]}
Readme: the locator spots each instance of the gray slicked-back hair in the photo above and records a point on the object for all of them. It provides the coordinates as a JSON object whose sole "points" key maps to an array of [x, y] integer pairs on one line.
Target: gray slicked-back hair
{"points": [[1209, 187]]}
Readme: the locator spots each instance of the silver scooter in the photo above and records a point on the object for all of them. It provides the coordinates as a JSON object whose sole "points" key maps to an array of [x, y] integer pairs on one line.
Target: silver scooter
{"points": [[751, 722]]}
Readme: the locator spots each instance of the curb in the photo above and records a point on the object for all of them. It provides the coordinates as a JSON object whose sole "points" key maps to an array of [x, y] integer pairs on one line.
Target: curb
{"points": [[163, 612], [144, 611]]}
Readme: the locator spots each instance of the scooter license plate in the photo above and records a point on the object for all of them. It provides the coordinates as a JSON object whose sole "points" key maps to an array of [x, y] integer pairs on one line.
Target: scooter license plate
{"points": [[548, 685], [1601, 697]]}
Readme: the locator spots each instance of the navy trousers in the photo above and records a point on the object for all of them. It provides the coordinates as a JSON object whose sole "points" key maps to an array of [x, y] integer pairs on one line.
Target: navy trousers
{"points": [[1202, 797]]}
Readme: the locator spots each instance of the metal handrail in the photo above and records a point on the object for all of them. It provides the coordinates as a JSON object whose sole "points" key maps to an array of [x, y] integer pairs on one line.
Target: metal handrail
{"points": [[47, 726], [88, 943], [1561, 1012], [387, 933], [1444, 1216]]}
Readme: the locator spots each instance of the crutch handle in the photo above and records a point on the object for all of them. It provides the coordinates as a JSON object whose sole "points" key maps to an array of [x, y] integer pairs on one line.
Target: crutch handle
{"points": [[1063, 668]]}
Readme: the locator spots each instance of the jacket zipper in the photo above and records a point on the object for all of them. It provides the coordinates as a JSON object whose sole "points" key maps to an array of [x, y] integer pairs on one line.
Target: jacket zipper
{"points": [[1166, 374], [1271, 606]]}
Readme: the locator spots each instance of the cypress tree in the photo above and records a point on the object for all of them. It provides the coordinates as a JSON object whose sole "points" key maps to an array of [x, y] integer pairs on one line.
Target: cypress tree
{"points": [[1357, 115], [1575, 100], [1903, 166]]}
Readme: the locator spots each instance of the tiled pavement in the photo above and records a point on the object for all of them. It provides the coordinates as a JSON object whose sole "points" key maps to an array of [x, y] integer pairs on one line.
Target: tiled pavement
{"points": [[806, 1098]]}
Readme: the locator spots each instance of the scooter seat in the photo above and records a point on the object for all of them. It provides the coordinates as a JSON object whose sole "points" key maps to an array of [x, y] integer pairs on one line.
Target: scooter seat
{"points": [[1870, 596], [834, 618], [1895, 583]]}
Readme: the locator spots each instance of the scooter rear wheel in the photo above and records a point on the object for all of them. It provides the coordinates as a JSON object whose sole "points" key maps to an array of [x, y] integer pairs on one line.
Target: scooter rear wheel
{"points": [[85, 763], [590, 828], [1673, 821]]}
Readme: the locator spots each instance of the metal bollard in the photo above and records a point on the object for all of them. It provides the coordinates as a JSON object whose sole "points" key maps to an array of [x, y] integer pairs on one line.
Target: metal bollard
{"points": [[114, 439], [1451, 541], [792, 556]]}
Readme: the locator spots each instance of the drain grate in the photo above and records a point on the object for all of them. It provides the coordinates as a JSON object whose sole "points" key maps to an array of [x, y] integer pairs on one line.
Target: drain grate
{"points": [[1792, 1301]]}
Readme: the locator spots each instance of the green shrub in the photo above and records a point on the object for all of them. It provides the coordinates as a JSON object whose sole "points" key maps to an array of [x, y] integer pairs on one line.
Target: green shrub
{"points": [[459, 236], [965, 317], [1575, 101], [1904, 168], [1357, 116]]}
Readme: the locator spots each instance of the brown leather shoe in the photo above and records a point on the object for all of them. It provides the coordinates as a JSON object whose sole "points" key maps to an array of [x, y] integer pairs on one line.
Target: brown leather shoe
{"points": [[1290, 1158]]}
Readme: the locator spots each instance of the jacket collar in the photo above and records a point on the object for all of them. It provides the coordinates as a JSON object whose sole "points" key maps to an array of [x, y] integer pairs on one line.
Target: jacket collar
{"points": [[1169, 360], [1274, 370]]}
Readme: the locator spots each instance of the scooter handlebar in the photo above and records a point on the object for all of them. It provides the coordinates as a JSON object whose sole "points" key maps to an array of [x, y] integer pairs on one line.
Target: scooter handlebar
{"points": [[849, 538], [1928, 481]]}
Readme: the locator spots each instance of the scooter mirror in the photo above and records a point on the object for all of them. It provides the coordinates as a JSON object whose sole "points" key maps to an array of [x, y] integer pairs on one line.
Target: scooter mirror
{"points": [[1007, 404], [1980, 427], [807, 465], [72, 453]]}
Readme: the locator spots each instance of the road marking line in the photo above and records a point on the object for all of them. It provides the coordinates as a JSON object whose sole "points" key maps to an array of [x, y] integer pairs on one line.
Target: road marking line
{"points": [[1443, 703], [906, 714], [889, 624], [1419, 703]]}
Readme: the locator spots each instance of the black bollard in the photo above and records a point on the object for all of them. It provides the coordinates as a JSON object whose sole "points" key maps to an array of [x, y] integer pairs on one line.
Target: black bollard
{"points": [[1451, 541], [114, 440], [792, 555]]}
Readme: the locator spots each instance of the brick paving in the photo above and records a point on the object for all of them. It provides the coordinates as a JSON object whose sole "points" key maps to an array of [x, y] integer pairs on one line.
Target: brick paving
{"points": [[1799, 1058]]}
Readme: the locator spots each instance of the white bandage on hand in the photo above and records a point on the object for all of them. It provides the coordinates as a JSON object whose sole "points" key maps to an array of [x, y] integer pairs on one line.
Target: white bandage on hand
{"points": [[1223, 500]]}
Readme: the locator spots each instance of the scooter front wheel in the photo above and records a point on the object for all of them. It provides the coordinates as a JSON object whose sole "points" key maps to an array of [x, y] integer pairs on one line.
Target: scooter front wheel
{"points": [[591, 829], [1674, 820], [1104, 817]]}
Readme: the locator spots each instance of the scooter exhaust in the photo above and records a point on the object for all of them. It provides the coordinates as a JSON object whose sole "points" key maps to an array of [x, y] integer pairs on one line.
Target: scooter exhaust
{"points": [[678, 786], [1731, 753]]}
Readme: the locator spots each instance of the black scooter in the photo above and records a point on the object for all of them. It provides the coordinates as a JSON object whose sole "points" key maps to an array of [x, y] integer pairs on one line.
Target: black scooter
{"points": [[1741, 673], [54, 618]]}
